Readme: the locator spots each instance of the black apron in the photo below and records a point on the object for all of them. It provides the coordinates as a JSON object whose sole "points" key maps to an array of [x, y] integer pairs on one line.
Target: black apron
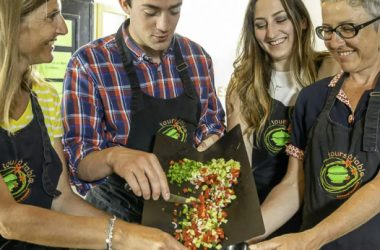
{"points": [[177, 117], [338, 161], [30, 168], [270, 162]]}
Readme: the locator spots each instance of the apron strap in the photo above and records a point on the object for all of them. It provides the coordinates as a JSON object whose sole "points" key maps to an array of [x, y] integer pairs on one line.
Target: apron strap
{"points": [[181, 67], [371, 126], [129, 68], [48, 187], [332, 95]]}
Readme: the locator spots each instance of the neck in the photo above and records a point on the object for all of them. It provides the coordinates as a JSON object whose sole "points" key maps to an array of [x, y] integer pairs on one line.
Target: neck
{"points": [[367, 77]]}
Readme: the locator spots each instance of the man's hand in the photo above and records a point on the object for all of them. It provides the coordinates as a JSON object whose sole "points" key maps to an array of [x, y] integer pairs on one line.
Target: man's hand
{"points": [[208, 142], [141, 170]]}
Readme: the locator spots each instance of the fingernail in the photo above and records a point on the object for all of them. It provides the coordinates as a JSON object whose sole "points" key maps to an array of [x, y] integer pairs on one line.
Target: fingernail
{"points": [[167, 196]]}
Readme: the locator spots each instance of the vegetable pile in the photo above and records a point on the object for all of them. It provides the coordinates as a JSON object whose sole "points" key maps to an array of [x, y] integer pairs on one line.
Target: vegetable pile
{"points": [[198, 223]]}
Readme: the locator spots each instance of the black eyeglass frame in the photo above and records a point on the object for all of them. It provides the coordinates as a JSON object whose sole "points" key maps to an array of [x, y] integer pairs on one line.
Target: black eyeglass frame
{"points": [[319, 29]]}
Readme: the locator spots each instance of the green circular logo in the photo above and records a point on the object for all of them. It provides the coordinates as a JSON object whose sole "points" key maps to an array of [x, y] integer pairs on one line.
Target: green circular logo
{"points": [[275, 138], [340, 177]]}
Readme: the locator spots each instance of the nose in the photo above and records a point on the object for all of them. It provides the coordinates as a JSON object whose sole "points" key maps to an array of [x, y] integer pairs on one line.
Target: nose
{"points": [[61, 26], [271, 30], [162, 23], [336, 41]]}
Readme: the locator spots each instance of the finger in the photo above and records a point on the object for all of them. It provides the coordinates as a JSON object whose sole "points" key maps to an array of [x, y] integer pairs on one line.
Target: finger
{"points": [[208, 142], [130, 178], [162, 180], [153, 179], [143, 182], [264, 246]]}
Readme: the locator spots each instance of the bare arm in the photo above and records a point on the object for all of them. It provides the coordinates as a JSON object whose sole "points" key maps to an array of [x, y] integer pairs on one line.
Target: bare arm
{"points": [[284, 200], [335, 225], [68, 202], [234, 118], [39, 226], [339, 224], [141, 170]]}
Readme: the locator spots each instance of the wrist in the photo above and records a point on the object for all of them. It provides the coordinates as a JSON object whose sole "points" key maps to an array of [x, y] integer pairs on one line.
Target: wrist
{"points": [[110, 157], [110, 233], [314, 238]]}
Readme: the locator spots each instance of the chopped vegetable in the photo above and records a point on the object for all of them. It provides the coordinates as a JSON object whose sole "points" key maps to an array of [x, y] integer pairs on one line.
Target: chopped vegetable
{"points": [[198, 224]]}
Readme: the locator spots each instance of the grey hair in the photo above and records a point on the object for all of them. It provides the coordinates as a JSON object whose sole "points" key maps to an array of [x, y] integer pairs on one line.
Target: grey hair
{"points": [[372, 7]]}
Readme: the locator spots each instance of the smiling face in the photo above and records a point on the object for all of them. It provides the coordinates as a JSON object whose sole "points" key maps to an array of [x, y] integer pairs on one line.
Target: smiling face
{"points": [[360, 52], [152, 23], [274, 32], [38, 31]]}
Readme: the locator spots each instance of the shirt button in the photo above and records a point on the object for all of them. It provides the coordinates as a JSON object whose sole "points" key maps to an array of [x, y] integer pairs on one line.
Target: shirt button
{"points": [[350, 119]]}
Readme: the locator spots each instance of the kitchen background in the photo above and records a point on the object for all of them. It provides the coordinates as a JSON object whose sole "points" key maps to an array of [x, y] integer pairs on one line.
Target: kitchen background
{"points": [[215, 24]]}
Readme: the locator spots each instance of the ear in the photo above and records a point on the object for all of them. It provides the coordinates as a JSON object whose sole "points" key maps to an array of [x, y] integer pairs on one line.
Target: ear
{"points": [[124, 6]]}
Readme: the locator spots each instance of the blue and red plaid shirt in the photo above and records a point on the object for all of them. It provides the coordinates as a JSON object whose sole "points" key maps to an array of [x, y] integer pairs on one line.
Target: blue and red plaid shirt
{"points": [[97, 95]]}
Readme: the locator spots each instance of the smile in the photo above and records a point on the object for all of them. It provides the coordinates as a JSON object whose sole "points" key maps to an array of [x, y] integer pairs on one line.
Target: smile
{"points": [[345, 53], [277, 42]]}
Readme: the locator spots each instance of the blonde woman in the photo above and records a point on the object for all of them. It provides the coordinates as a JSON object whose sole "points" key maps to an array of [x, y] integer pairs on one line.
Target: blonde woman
{"points": [[38, 210]]}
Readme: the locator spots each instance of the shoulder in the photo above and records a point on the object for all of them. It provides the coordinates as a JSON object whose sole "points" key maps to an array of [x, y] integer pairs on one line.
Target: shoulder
{"points": [[96, 48], [316, 92], [189, 47], [45, 91]]}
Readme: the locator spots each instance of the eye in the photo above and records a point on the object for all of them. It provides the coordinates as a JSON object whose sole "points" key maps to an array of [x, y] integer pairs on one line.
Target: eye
{"points": [[281, 19], [150, 12], [260, 25], [347, 28], [51, 17], [176, 10]]}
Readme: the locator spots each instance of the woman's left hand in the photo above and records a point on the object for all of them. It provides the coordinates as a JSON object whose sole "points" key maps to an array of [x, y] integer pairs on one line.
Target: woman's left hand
{"points": [[296, 241]]}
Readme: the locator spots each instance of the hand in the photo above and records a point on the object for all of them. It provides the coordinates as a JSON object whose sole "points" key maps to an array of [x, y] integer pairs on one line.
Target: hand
{"points": [[208, 142], [141, 170], [138, 237], [296, 241]]}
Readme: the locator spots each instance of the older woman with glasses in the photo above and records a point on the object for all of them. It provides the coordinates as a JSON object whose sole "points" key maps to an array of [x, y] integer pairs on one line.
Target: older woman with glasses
{"points": [[334, 151]]}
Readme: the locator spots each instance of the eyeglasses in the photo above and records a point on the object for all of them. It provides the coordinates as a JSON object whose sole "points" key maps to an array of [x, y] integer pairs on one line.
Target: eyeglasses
{"points": [[345, 31]]}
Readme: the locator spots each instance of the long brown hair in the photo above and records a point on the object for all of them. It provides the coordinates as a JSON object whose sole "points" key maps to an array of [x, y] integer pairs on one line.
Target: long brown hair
{"points": [[250, 81], [11, 17]]}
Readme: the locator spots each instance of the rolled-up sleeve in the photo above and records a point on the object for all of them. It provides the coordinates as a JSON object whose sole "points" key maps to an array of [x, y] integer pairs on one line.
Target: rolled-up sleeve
{"points": [[82, 117], [212, 117]]}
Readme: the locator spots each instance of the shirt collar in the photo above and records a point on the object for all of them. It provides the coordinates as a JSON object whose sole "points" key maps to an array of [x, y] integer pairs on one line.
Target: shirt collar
{"points": [[335, 79], [137, 50]]}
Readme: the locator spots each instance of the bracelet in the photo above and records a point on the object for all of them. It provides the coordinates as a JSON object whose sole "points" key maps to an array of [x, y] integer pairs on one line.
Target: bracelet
{"points": [[109, 232]]}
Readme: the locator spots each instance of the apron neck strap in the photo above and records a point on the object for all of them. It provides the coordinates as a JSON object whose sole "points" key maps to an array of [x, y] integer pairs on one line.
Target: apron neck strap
{"points": [[371, 126], [126, 58], [48, 163]]}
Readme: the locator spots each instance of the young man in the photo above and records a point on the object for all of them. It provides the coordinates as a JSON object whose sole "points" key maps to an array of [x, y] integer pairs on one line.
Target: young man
{"points": [[119, 91]]}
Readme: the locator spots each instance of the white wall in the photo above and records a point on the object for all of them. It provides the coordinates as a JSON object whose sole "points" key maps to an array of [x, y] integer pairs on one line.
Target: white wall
{"points": [[216, 25]]}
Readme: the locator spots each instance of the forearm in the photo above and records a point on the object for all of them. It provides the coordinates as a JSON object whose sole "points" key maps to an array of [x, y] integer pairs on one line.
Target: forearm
{"points": [[285, 199], [361, 206], [46, 227], [96, 165], [74, 205]]}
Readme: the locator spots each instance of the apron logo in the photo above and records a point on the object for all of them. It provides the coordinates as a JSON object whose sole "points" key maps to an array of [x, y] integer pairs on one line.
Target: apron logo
{"points": [[276, 136], [341, 174], [174, 128], [18, 176]]}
